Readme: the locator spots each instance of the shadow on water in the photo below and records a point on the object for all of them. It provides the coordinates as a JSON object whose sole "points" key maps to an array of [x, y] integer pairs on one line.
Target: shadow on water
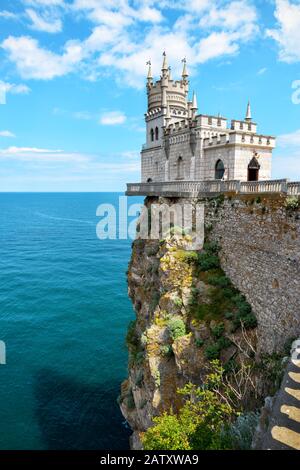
{"points": [[75, 416]]}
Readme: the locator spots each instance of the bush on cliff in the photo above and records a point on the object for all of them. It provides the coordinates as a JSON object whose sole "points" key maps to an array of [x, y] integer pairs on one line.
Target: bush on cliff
{"points": [[176, 327], [203, 421]]}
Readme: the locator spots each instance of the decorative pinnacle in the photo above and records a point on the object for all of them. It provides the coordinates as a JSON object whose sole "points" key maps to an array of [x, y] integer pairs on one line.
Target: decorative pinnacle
{"points": [[149, 76], [184, 71], [164, 65], [194, 102], [248, 113]]}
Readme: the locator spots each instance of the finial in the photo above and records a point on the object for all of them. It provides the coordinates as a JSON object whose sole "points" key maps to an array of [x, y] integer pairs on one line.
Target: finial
{"points": [[194, 106], [164, 65], [248, 113], [149, 76], [184, 70]]}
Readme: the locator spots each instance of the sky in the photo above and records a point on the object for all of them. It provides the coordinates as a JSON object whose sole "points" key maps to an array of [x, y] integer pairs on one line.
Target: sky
{"points": [[72, 82]]}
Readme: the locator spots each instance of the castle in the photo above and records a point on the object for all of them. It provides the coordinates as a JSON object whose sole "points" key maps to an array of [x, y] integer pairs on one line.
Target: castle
{"points": [[182, 145]]}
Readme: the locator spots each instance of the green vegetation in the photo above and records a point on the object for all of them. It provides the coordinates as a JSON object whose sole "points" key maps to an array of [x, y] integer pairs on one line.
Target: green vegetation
{"points": [[292, 203], [202, 423], [213, 350], [199, 342], [166, 350], [176, 327], [135, 347]]}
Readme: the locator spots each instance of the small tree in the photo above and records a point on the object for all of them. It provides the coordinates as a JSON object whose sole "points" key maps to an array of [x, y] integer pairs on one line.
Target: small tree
{"points": [[201, 423]]}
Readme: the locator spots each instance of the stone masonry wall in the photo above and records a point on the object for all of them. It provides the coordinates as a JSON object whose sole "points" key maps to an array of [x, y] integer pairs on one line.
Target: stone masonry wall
{"points": [[260, 252]]}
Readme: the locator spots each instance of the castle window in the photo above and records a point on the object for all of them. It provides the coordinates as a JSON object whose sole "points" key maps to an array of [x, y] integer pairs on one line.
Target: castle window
{"points": [[210, 121], [253, 169], [156, 133], [241, 125], [219, 122], [219, 170], [152, 135], [249, 126], [180, 168], [243, 138]]}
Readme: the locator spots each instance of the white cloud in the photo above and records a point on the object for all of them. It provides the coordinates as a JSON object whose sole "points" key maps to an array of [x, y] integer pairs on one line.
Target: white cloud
{"points": [[262, 71], [41, 155], [286, 161], [7, 134], [112, 118], [231, 16], [291, 140], [33, 61], [14, 89], [9, 15], [287, 32], [120, 44], [47, 24]]}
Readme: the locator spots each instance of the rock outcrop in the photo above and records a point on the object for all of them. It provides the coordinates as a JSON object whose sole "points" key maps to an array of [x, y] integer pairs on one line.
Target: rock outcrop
{"points": [[188, 314]]}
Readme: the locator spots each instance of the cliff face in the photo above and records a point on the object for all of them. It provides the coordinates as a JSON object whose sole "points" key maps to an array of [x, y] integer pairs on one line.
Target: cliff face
{"points": [[189, 312]]}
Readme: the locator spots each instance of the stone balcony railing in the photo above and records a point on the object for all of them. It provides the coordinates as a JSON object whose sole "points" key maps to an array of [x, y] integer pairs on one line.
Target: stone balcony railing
{"points": [[211, 188]]}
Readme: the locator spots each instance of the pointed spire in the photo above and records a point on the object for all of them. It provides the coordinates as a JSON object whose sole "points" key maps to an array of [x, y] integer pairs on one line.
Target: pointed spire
{"points": [[165, 64], [149, 76], [194, 106], [184, 70], [248, 113]]}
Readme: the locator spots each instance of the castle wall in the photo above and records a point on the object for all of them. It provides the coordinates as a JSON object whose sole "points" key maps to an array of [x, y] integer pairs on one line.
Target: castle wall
{"points": [[243, 156], [260, 252]]}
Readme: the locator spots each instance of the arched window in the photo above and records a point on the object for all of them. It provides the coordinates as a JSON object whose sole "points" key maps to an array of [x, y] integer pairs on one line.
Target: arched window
{"points": [[180, 168], [219, 170], [156, 133], [149, 180], [253, 169], [152, 135]]}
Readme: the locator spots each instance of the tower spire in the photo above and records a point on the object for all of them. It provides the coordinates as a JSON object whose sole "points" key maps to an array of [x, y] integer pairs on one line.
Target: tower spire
{"points": [[165, 63], [248, 112], [149, 75], [194, 102], [184, 70]]}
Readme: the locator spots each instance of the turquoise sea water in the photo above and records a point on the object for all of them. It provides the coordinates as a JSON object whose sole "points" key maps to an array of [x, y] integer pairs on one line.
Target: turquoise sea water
{"points": [[63, 316]]}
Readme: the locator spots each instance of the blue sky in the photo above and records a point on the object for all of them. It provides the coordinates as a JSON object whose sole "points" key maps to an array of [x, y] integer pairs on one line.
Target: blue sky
{"points": [[73, 76]]}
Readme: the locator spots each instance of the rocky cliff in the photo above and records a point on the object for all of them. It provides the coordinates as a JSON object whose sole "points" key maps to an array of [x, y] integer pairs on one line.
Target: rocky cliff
{"points": [[236, 300]]}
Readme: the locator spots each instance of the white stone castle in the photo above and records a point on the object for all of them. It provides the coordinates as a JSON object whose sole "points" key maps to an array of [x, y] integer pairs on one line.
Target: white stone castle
{"points": [[182, 145]]}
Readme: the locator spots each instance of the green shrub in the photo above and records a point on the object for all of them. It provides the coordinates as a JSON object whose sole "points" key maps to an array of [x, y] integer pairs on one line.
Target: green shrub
{"points": [[218, 330], [178, 302], [212, 351], [167, 350], [208, 261], [176, 327], [201, 423], [218, 280], [292, 203], [132, 339], [130, 401]]}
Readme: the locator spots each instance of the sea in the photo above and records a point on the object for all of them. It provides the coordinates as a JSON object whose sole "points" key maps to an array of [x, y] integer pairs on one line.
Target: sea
{"points": [[64, 313]]}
